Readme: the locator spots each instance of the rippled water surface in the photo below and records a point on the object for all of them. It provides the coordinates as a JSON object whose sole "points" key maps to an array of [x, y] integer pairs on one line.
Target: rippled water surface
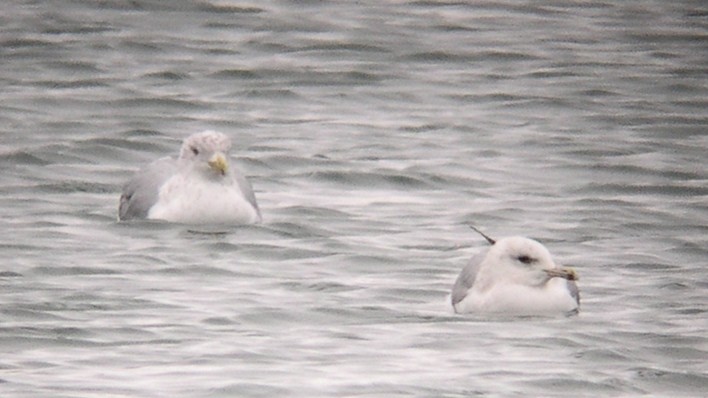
{"points": [[374, 133]]}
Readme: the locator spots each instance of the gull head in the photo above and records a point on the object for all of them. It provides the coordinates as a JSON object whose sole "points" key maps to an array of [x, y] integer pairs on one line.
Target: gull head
{"points": [[521, 261], [207, 150]]}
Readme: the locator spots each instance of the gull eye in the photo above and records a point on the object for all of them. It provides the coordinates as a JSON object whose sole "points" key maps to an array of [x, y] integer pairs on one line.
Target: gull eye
{"points": [[525, 259], [195, 151]]}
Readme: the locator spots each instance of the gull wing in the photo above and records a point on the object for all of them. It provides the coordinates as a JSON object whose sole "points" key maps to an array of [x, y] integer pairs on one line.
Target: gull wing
{"points": [[142, 191], [467, 276], [247, 190]]}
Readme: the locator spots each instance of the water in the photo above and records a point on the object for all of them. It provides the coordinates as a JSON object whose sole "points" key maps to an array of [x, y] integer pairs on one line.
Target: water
{"points": [[373, 134]]}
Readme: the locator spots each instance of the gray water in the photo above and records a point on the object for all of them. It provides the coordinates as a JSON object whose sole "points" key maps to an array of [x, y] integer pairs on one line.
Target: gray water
{"points": [[373, 133]]}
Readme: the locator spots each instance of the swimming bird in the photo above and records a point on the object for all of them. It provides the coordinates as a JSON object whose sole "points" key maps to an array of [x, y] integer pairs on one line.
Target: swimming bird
{"points": [[197, 187], [516, 276]]}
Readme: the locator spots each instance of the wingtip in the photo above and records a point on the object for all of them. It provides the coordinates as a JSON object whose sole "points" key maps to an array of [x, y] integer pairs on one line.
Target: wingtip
{"points": [[485, 236]]}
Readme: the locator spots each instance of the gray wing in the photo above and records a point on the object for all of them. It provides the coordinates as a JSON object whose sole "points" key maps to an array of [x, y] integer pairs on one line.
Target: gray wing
{"points": [[247, 190], [142, 191], [467, 277], [574, 291]]}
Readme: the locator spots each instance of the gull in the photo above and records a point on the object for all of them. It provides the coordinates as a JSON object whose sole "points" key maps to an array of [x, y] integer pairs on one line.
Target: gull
{"points": [[517, 276], [198, 187]]}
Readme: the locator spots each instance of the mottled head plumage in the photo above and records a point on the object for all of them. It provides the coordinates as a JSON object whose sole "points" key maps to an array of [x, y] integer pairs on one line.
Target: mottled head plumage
{"points": [[207, 142]]}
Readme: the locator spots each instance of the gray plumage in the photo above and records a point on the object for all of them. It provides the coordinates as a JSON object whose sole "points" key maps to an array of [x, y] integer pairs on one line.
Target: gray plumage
{"points": [[142, 191], [574, 291], [465, 280], [247, 190]]}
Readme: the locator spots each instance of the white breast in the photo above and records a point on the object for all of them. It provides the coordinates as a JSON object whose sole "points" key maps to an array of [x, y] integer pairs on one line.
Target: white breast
{"points": [[517, 299], [202, 201]]}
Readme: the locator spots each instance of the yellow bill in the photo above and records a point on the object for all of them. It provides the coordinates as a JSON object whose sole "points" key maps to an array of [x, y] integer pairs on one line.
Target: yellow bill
{"points": [[219, 163]]}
